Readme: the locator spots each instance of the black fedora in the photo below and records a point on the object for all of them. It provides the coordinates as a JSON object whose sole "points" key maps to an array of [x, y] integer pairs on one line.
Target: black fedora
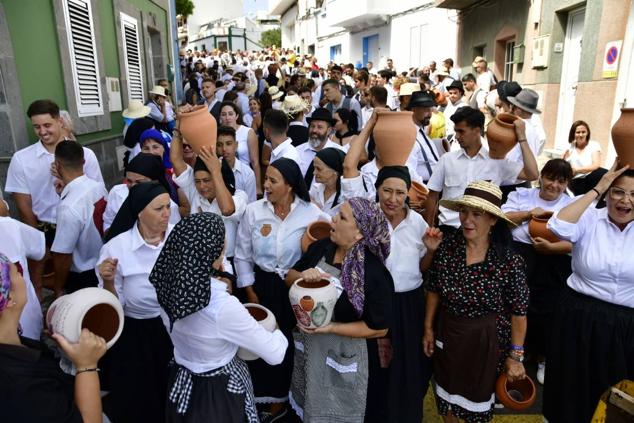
{"points": [[422, 99], [508, 89], [457, 85], [321, 114]]}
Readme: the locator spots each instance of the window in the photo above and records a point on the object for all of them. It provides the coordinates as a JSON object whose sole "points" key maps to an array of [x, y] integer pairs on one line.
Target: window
{"points": [[335, 53], [131, 53], [508, 61], [83, 58]]}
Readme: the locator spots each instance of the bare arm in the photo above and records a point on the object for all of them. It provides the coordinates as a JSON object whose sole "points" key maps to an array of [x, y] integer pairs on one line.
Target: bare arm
{"points": [[431, 305], [254, 157], [596, 163], [431, 205], [176, 153], [358, 329], [61, 264], [530, 172], [357, 147], [225, 200], [25, 208]]}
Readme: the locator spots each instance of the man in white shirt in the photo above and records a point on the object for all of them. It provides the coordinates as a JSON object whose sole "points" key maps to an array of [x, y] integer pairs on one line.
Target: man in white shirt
{"points": [[226, 147], [209, 96], [337, 101], [486, 79], [79, 222], [275, 126], [425, 152], [455, 92], [456, 169], [384, 81]]}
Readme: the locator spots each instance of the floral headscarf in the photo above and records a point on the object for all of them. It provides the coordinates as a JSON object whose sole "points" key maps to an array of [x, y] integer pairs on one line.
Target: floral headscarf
{"points": [[5, 281], [372, 224]]}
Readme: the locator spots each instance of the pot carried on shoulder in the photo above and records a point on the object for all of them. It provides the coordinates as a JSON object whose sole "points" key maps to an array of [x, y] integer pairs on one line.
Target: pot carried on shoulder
{"points": [[501, 135]]}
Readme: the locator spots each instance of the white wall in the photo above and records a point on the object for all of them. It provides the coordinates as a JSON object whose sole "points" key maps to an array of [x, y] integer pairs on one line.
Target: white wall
{"points": [[356, 44], [206, 11]]}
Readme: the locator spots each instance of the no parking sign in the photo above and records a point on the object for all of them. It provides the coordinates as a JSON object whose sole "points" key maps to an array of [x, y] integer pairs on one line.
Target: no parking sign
{"points": [[611, 58]]}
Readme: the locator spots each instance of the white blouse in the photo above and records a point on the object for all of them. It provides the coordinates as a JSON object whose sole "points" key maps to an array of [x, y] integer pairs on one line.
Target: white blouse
{"points": [[406, 251], [602, 265], [583, 158], [270, 242], [242, 138], [526, 199], [210, 338], [135, 260]]}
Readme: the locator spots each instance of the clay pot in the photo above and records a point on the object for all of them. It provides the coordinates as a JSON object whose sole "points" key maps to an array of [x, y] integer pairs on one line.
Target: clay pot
{"points": [[501, 135], [537, 227], [265, 318], [314, 232], [518, 395], [440, 98], [95, 309], [417, 192], [394, 135], [623, 137], [313, 303], [198, 128]]}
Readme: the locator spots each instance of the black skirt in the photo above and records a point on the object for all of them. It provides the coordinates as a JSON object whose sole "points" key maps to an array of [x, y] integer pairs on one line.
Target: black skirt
{"points": [[591, 349], [410, 368], [271, 384], [137, 372]]}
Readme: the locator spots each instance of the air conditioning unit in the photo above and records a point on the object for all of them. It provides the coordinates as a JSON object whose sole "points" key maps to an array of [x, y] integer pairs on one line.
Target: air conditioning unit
{"points": [[541, 51]]}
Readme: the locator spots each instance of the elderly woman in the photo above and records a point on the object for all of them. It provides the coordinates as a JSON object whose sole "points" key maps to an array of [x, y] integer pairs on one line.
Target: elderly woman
{"points": [[268, 244], [592, 343], [207, 381], [33, 388], [326, 191], [156, 142], [337, 372], [584, 155], [479, 285], [547, 263], [137, 364]]}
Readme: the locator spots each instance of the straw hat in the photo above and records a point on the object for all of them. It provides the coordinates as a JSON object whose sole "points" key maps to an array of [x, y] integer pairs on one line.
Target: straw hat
{"points": [[477, 60], [136, 110], [158, 90], [275, 93], [293, 104], [409, 88], [480, 195]]}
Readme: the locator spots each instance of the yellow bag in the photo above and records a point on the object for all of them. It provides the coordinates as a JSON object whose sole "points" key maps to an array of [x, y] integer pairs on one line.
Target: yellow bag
{"points": [[437, 123]]}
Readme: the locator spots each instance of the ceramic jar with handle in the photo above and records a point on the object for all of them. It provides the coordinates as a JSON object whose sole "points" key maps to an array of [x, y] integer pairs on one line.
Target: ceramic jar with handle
{"points": [[537, 227], [517, 395], [313, 302], [501, 135], [265, 318]]}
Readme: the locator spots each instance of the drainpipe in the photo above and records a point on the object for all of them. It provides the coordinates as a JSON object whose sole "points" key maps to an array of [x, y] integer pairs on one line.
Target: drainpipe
{"points": [[175, 50]]}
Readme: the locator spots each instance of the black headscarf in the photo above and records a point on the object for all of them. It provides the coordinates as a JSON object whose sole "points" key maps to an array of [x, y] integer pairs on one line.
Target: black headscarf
{"points": [[293, 176], [183, 270], [227, 173], [401, 172], [139, 197], [149, 165], [333, 158], [133, 134]]}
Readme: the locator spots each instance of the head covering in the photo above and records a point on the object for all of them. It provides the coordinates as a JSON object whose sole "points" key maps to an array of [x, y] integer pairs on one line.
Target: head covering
{"points": [[422, 99], [136, 109], [275, 93], [156, 135], [149, 165], [477, 60], [333, 158], [293, 176], [457, 85], [507, 89], [526, 100], [227, 174], [182, 272], [133, 134], [5, 281], [400, 172], [321, 114], [158, 90], [409, 88], [294, 104], [372, 224], [139, 197], [480, 195]]}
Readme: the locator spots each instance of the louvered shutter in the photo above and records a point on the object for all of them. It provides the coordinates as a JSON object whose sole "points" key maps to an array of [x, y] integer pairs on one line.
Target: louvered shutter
{"points": [[132, 56], [83, 57]]}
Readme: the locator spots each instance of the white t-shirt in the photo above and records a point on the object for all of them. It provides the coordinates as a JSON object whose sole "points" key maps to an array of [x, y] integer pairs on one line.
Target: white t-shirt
{"points": [[242, 138], [584, 158]]}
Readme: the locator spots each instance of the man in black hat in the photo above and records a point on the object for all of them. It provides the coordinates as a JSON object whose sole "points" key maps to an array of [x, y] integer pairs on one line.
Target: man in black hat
{"points": [[455, 93], [426, 152], [505, 90]]}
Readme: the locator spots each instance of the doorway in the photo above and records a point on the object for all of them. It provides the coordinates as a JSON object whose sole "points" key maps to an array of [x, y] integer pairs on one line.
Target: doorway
{"points": [[569, 76], [371, 49]]}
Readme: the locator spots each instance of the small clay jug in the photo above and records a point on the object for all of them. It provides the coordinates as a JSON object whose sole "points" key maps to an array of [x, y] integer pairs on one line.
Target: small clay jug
{"points": [[315, 231], [394, 135], [265, 318], [518, 395], [537, 227], [501, 135], [313, 302], [198, 128], [623, 137], [417, 192]]}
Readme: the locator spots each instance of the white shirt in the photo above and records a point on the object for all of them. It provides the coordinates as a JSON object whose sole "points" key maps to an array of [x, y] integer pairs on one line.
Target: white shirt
{"points": [[425, 153], [210, 338], [318, 190], [449, 111], [19, 243], [307, 153], [485, 80], [285, 149], [247, 119], [199, 204], [245, 180], [536, 122], [118, 195], [526, 199], [583, 158], [269, 242], [455, 170], [242, 138], [211, 105], [77, 233], [406, 251], [30, 173], [243, 104], [366, 113], [602, 265], [135, 260], [515, 155]]}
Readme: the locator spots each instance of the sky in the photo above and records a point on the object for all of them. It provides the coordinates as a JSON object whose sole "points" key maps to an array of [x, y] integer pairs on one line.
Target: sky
{"points": [[255, 5]]}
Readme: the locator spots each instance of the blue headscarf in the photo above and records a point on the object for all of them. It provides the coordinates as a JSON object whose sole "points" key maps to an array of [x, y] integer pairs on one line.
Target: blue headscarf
{"points": [[158, 136]]}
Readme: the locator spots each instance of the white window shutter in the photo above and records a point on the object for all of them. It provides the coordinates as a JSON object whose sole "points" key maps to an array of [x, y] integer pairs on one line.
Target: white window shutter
{"points": [[83, 57], [132, 56]]}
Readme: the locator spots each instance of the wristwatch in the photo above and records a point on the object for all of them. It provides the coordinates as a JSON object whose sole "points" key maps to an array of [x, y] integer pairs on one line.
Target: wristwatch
{"points": [[519, 358]]}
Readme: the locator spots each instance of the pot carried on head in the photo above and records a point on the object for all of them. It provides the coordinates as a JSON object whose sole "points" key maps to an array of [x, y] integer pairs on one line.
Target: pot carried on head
{"points": [[313, 303], [199, 128], [623, 137], [394, 135]]}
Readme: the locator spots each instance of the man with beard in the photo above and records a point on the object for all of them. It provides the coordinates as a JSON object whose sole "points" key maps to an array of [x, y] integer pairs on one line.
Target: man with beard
{"points": [[426, 152], [319, 126]]}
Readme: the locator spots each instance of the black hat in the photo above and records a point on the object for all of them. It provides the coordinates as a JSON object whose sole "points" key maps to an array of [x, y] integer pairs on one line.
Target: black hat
{"points": [[508, 89], [456, 84], [321, 114], [422, 99]]}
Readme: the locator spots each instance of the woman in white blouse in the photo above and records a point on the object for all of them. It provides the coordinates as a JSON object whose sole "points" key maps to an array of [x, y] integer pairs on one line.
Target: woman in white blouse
{"points": [[326, 191], [268, 244], [136, 366], [584, 155], [592, 342]]}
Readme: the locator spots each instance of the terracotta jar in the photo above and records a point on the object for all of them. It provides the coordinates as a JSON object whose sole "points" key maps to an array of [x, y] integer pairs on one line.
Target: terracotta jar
{"points": [[394, 135], [501, 135], [265, 318], [417, 192], [313, 302], [198, 128], [537, 227], [623, 137], [95, 309], [315, 231], [518, 395]]}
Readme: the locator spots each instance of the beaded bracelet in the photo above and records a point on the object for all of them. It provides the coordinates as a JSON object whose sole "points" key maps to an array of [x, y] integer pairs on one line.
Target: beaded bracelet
{"points": [[94, 369], [517, 347]]}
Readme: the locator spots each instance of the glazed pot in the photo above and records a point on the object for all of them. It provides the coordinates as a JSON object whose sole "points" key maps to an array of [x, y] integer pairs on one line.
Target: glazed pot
{"points": [[501, 135], [198, 128], [537, 227], [265, 318], [518, 395], [95, 309], [417, 192], [313, 303], [623, 137], [394, 135], [314, 232]]}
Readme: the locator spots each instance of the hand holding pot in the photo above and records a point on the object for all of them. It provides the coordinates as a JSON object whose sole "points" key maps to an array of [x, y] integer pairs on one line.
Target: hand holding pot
{"points": [[514, 370], [536, 212], [520, 129], [542, 246], [610, 176], [85, 353], [108, 269], [432, 239], [313, 275]]}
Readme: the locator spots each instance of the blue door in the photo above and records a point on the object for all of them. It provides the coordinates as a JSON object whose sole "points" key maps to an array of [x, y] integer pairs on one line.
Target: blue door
{"points": [[335, 53], [371, 49]]}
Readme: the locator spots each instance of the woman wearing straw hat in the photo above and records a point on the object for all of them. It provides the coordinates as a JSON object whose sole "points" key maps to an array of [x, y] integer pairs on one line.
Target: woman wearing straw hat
{"points": [[295, 107], [477, 299], [276, 94]]}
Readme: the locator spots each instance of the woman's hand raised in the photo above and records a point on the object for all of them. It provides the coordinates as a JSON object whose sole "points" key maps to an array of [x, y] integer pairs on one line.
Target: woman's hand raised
{"points": [[432, 239]]}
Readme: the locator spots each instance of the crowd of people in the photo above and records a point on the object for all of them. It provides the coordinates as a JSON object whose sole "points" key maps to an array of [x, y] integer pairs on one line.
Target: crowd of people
{"points": [[450, 287]]}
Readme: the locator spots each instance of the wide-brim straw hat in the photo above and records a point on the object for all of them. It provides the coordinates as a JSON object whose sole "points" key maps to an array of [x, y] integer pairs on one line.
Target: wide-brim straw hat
{"points": [[275, 93], [480, 195], [477, 60], [294, 104], [158, 90], [136, 109], [409, 88]]}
